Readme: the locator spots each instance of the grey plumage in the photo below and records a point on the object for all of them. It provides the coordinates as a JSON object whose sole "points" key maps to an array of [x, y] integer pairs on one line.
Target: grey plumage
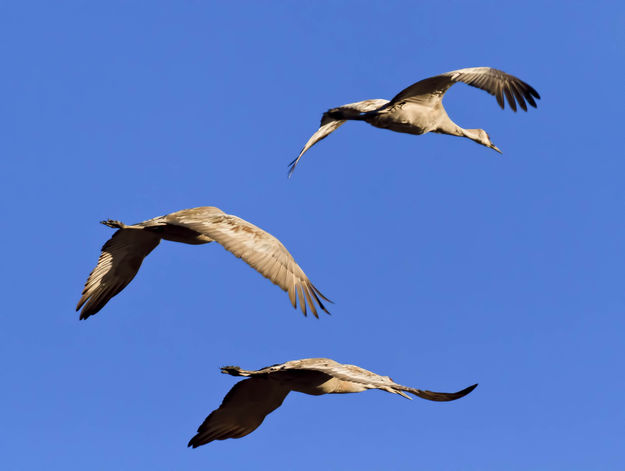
{"points": [[418, 108], [249, 401], [123, 254]]}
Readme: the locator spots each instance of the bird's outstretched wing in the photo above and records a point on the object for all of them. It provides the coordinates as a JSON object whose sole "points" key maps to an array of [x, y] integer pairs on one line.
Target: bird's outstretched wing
{"points": [[257, 248], [431, 90], [119, 262], [242, 411], [367, 378], [330, 124]]}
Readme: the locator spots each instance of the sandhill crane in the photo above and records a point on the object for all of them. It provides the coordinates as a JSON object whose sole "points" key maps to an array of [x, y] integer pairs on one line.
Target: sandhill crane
{"points": [[249, 401], [418, 109], [123, 254]]}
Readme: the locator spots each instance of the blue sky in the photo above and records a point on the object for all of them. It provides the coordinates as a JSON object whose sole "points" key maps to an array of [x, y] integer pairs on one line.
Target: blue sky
{"points": [[448, 263]]}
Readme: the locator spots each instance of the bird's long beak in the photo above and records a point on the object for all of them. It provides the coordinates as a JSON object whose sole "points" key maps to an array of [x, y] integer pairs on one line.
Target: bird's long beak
{"points": [[493, 146]]}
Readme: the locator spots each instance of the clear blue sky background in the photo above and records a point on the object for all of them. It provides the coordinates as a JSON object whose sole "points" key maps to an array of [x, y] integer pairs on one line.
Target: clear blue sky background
{"points": [[448, 263]]}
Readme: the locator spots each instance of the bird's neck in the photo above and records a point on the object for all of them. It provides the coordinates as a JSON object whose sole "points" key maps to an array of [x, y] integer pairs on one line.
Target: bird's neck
{"points": [[473, 134], [449, 127]]}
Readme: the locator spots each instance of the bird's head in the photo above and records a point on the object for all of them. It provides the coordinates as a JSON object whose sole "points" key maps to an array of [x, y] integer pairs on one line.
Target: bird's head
{"points": [[484, 139]]}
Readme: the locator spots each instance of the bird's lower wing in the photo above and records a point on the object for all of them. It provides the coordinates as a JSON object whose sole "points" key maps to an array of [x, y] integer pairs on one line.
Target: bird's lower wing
{"points": [[242, 411], [323, 132], [119, 262], [330, 123]]}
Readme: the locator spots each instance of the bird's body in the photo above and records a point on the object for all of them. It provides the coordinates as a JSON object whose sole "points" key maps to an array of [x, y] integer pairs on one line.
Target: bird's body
{"points": [[418, 109], [123, 254], [248, 403], [410, 119]]}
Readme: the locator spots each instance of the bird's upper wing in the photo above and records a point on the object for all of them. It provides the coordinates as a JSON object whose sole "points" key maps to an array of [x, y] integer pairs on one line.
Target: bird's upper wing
{"points": [[243, 409], [119, 262], [330, 124], [495, 82], [367, 378], [257, 248], [341, 371]]}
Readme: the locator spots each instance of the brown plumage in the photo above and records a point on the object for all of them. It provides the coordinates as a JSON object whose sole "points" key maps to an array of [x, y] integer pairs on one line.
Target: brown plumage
{"points": [[418, 109], [123, 254], [249, 401]]}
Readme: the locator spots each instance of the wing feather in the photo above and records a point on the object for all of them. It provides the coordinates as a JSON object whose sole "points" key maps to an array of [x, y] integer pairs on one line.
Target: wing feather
{"points": [[256, 247], [242, 411], [119, 262], [494, 81], [370, 380], [330, 124]]}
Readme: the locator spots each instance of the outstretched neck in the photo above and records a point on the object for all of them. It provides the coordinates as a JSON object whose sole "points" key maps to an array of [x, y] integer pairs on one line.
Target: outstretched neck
{"points": [[447, 126], [474, 134]]}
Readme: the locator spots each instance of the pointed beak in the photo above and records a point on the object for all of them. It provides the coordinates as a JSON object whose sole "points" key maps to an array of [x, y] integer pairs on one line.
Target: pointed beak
{"points": [[493, 146]]}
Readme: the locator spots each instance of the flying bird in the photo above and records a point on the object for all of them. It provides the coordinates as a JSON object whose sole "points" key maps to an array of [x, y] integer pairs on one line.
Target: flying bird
{"points": [[418, 109], [249, 401], [123, 254]]}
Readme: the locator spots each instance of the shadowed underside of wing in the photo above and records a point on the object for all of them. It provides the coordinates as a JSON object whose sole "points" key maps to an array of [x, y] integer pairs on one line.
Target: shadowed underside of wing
{"points": [[118, 264], [242, 411], [258, 249], [493, 81]]}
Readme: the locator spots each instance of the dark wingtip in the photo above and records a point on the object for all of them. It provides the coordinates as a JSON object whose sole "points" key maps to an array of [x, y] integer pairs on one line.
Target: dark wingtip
{"points": [[522, 103], [316, 292], [500, 101], [291, 167], [194, 442], [441, 396], [533, 92], [87, 311], [466, 391], [324, 309]]}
